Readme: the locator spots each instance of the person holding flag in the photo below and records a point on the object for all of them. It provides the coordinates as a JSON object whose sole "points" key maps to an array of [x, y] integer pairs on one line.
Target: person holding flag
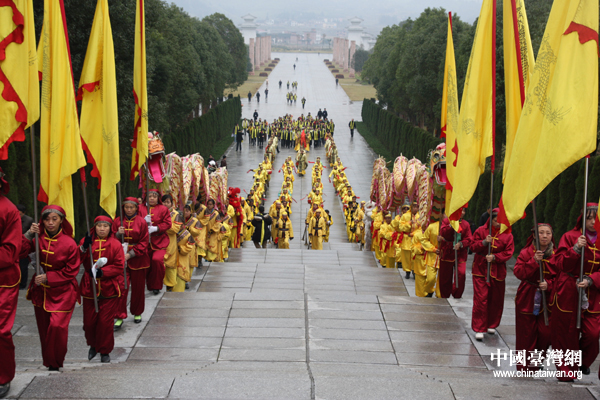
{"points": [[454, 250], [488, 297], [53, 292], [106, 273], [133, 232], [10, 276]]}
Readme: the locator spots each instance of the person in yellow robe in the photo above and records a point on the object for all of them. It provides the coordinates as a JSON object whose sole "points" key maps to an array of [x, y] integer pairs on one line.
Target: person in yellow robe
{"points": [[193, 226], [185, 247], [171, 254], [377, 221], [226, 232], [275, 214], [202, 218], [359, 223], [386, 242], [249, 211], [407, 223], [418, 260], [429, 241], [214, 248], [329, 222], [316, 230], [285, 231], [234, 217], [301, 162]]}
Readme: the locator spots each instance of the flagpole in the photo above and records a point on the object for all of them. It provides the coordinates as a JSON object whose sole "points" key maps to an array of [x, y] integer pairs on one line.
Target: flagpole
{"points": [[493, 165], [35, 205], [87, 223], [580, 290], [489, 264], [123, 236], [537, 248]]}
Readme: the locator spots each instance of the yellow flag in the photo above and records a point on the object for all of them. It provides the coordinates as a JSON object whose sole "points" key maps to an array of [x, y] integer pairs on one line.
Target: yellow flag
{"points": [[449, 110], [140, 93], [19, 81], [560, 115], [518, 68], [474, 137], [61, 154], [99, 122]]}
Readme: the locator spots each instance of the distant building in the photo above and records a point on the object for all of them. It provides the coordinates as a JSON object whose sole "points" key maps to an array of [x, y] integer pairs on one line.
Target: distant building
{"points": [[248, 28]]}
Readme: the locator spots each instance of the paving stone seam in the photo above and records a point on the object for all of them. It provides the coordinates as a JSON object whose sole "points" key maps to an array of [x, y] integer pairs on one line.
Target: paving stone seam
{"points": [[226, 325], [307, 342], [388, 331]]}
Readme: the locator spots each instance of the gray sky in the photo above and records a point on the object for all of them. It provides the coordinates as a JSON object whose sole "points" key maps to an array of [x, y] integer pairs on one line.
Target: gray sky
{"points": [[376, 14]]}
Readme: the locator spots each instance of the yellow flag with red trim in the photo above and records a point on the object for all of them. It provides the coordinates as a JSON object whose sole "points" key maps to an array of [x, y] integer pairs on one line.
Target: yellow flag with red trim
{"points": [[559, 121], [450, 112], [99, 123], [61, 154], [19, 80], [518, 68], [140, 93], [475, 134]]}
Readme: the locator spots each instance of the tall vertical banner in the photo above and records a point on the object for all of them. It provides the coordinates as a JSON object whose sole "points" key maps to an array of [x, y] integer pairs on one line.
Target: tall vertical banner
{"points": [[518, 68], [558, 125], [19, 81], [61, 154], [475, 134], [99, 121], [140, 93], [450, 111]]}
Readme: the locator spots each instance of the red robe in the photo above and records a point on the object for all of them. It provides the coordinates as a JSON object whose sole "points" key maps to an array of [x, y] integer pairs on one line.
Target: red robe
{"points": [[98, 326], [532, 332], [447, 255], [136, 235], [488, 300], [161, 218], [565, 335], [54, 301], [10, 276]]}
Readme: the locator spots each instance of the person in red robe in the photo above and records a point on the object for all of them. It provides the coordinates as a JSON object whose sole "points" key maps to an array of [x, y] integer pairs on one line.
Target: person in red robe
{"points": [[565, 335], [134, 233], [532, 332], [105, 271], [488, 298], [159, 222], [10, 277], [453, 244], [54, 291]]}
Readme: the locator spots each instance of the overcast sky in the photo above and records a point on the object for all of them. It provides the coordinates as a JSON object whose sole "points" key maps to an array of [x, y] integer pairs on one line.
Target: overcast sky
{"points": [[376, 14]]}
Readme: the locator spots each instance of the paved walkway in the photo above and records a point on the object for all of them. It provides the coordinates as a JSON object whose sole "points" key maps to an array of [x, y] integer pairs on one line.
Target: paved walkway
{"points": [[298, 323]]}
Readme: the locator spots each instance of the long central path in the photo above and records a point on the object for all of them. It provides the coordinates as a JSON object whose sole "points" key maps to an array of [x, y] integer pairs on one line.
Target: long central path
{"points": [[290, 324]]}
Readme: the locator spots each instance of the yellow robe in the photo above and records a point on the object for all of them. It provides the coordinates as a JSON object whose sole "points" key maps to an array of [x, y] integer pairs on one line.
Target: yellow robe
{"points": [[329, 223], [418, 255], [248, 227], [316, 230], [386, 245], [285, 232], [430, 245], [225, 236], [377, 221], [185, 247], [201, 238], [233, 221], [214, 248], [404, 224], [171, 254]]}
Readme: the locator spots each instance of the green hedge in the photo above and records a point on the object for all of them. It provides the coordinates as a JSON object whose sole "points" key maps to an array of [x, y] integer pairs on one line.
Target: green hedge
{"points": [[398, 135], [559, 204], [198, 136]]}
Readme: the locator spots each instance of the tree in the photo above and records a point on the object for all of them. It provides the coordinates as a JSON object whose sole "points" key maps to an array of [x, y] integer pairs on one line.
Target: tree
{"points": [[360, 57]]}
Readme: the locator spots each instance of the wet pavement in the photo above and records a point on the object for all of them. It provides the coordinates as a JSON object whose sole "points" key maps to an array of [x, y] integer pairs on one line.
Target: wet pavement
{"points": [[297, 323]]}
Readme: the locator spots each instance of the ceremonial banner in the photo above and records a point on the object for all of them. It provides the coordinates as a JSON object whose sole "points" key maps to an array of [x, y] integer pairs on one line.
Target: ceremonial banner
{"points": [[140, 93], [61, 154], [99, 122], [450, 113], [559, 119], [475, 134], [518, 68], [19, 80]]}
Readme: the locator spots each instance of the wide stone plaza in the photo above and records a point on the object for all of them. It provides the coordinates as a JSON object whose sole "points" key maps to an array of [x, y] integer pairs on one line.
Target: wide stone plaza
{"points": [[297, 323]]}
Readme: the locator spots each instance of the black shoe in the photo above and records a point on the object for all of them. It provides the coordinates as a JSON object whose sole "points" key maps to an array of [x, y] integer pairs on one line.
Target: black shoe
{"points": [[155, 291], [187, 286], [92, 353], [105, 358], [55, 369], [584, 370], [429, 294], [4, 390], [413, 275], [408, 275]]}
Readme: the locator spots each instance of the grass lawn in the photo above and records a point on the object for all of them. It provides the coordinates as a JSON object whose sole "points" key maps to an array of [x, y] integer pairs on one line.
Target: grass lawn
{"points": [[378, 147], [251, 85], [356, 89]]}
